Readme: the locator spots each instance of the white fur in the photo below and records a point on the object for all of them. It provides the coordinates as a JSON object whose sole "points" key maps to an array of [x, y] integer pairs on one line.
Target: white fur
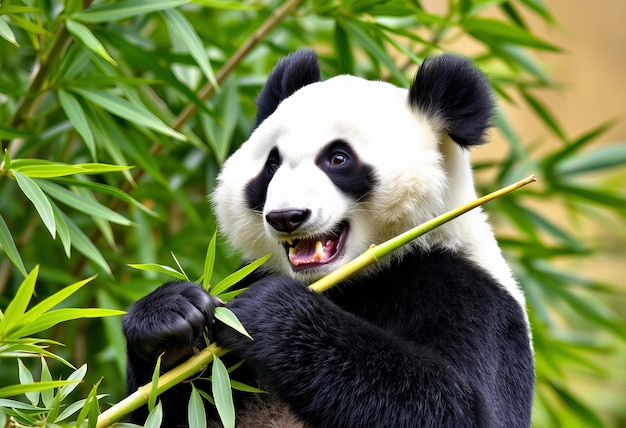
{"points": [[420, 174]]}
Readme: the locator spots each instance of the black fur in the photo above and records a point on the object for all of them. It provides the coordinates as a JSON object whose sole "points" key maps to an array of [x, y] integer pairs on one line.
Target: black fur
{"points": [[290, 74], [352, 176], [256, 189], [454, 353], [451, 89]]}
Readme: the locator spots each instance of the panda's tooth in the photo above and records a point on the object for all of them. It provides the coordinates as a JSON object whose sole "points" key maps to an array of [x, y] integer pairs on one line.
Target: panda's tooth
{"points": [[290, 241], [319, 251]]}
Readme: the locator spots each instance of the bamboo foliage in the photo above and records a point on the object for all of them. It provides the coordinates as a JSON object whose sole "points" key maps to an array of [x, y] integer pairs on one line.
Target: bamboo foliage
{"points": [[116, 115]]}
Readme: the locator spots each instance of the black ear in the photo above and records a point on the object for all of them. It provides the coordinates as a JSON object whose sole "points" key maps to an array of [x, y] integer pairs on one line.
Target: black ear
{"points": [[453, 91], [290, 74]]}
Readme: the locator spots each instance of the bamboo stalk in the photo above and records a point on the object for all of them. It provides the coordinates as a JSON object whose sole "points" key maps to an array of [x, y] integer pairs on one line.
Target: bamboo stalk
{"points": [[373, 254]]}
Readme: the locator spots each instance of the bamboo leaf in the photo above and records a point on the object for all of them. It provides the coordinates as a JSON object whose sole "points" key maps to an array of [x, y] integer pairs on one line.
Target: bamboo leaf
{"points": [[209, 262], [235, 277], [600, 159], [26, 377], [154, 391], [76, 115], [543, 113], [82, 33], [85, 205], [494, 31], [7, 244], [183, 31], [155, 417], [227, 316], [17, 306], [222, 394], [73, 380], [62, 230], [47, 396], [9, 391], [137, 114], [195, 410], [33, 192], [154, 267], [81, 242], [7, 34], [52, 318], [48, 303], [124, 9]]}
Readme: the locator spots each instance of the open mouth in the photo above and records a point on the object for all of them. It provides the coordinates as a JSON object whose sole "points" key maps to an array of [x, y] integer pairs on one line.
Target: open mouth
{"points": [[306, 253]]}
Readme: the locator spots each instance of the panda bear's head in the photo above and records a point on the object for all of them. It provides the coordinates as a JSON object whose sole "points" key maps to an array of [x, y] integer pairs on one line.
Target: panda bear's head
{"points": [[337, 165]]}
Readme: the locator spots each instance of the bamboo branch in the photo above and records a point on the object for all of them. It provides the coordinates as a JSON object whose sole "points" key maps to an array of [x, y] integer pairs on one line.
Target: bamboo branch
{"points": [[373, 254]]}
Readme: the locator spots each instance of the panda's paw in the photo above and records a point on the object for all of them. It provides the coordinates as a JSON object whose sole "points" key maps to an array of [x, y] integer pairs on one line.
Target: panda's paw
{"points": [[272, 310], [169, 321]]}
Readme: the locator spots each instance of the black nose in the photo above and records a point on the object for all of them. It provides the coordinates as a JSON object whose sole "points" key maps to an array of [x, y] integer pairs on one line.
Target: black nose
{"points": [[287, 220]]}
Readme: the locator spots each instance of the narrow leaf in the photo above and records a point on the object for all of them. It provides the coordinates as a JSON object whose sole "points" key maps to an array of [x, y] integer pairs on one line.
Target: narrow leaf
{"points": [[500, 32], [7, 34], [227, 316], [33, 192], [81, 242], [195, 410], [47, 395], [74, 379], [14, 312], [10, 391], [76, 115], [183, 31], [222, 393], [237, 276], [82, 33], [52, 318], [8, 246], [209, 262], [155, 385], [154, 267], [137, 114], [155, 417], [125, 9], [26, 377]]}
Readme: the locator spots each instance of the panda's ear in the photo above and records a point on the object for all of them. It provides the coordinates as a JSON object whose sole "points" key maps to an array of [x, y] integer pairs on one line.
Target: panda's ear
{"points": [[290, 74], [456, 95]]}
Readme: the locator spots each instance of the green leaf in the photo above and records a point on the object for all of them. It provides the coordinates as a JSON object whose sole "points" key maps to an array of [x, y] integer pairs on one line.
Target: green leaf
{"points": [[245, 388], [344, 52], [26, 377], [85, 205], [48, 303], [155, 417], [237, 276], [62, 230], [222, 393], [17, 306], [195, 410], [154, 267], [7, 34], [76, 115], [33, 192], [544, 114], [137, 114], [81, 242], [7, 133], [227, 316], [82, 33], [9, 391], [209, 262], [494, 31], [598, 160], [154, 391], [47, 396], [8, 246], [73, 380], [125, 9], [52, 318], [88, 407], [184, 32]]}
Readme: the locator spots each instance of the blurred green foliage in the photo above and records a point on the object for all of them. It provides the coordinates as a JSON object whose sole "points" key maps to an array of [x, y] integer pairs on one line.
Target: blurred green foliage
{"points": [[88, 89]]}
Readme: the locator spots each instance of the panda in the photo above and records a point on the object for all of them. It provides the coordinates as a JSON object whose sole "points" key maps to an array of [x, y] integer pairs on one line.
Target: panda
{"points": [[434, 335]]}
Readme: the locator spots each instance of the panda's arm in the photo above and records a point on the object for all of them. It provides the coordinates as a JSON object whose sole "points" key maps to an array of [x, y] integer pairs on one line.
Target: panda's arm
{"points": [[169, 322], [336, 370]]}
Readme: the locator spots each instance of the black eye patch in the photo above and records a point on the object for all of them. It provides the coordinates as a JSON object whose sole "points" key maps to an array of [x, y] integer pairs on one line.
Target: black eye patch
{"points": [[256, 189], [341, 164]]}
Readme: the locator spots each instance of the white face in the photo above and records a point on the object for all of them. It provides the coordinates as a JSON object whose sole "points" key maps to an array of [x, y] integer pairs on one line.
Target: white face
{"points": [[340, 165]]}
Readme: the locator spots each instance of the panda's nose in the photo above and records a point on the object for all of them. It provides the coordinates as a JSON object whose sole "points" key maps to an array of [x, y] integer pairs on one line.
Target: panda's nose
{"points": [[287, 220]]}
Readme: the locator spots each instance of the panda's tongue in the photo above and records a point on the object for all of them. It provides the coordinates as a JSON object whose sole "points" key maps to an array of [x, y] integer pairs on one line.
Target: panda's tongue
{"points": [[309, 251]]}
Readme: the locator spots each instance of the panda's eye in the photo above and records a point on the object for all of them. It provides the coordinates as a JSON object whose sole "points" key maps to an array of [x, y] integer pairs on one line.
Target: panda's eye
{"points": [[272, 163], [338, 158], [271, 166]]}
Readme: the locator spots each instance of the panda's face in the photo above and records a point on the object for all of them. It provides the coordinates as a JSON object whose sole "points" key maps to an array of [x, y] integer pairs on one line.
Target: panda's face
{"points": [[338, 166]]}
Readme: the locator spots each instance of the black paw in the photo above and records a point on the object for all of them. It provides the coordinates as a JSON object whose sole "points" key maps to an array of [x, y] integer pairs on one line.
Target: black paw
{"points": [[272, 310], [170, 320]]}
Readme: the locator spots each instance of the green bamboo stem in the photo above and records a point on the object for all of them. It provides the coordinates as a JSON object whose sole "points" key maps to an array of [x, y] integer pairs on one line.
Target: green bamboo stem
{"points": [[196, 363]]}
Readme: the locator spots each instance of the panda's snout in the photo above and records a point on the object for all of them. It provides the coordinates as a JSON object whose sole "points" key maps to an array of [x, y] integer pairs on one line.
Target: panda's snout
{"points": [[287, 220]]}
